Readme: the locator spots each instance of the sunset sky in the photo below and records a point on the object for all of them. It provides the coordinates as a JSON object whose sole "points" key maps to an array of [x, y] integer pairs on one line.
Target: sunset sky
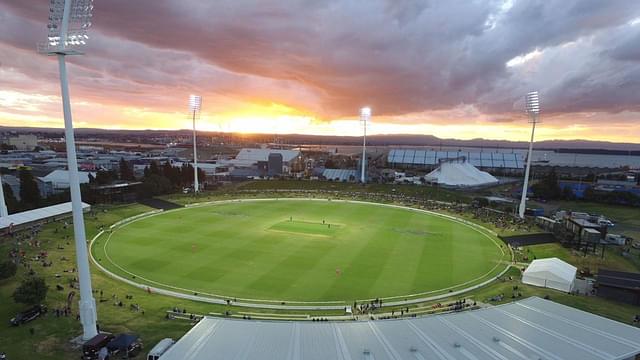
{"points": [[453, 69]]}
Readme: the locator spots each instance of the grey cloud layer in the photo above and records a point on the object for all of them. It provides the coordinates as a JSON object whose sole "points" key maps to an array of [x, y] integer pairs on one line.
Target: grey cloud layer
{"points": [[331, 56]]}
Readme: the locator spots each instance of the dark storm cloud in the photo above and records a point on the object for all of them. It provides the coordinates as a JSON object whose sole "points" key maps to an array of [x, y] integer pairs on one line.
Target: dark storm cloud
{"points": [[332, 56]]}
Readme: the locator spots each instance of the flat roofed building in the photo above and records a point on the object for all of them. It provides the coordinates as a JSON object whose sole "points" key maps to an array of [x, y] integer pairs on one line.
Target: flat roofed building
{"points": [[24, 142], [340, 174], [256, 155], [529, 329]]}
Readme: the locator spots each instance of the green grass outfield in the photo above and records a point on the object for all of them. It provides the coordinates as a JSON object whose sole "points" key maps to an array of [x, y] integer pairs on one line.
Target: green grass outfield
{"points": [[281, 250]]}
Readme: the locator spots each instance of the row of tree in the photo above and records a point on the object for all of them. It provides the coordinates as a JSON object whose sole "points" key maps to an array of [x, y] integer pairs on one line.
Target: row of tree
{"points": [[164, 179]]}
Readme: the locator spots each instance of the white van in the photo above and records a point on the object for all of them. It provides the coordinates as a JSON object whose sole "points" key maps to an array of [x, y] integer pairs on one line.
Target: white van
{"points": [[160, 349]]}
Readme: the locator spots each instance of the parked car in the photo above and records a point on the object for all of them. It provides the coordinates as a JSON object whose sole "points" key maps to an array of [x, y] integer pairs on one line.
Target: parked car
{"points": [[125, 346], [28, 315], [161, 347], [91, 348]]}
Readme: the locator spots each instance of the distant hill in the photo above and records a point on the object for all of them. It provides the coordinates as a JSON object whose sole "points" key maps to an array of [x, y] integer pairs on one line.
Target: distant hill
{"points": [[404, 140]]}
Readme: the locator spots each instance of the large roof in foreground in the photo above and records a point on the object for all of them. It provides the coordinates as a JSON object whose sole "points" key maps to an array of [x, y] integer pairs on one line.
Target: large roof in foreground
{"points": [[29, 216], [529, 329], [486, 159]]}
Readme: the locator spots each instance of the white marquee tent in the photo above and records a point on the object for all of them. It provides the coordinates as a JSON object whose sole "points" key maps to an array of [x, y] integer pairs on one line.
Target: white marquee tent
{"points": [[550, 273], [460, 173]]}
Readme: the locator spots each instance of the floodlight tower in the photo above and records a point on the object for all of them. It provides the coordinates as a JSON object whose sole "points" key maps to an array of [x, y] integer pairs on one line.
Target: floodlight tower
{"points": [[195, 104], [3, 205], [365, 116], [533, 110], [69, 21]]}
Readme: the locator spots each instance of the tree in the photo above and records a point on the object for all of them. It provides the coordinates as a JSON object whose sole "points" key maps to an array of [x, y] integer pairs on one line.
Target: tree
{"points": [[32, 291], [10, 199], [548, 187], [126, 171], [154, 185], [104, 177], [154, 169], [29, 192], [7, 269]]}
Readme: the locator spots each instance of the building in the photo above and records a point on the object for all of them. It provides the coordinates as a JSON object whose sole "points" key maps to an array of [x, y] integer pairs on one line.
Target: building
{"points": [[23, 142], [528, 329], [274, 164], [59, 179], [251, 157], [619, 286], [342, 175], [578, 225]]}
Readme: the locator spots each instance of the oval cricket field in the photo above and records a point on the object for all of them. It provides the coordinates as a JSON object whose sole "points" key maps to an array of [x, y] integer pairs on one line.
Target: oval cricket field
{"points": [[302, 250]]}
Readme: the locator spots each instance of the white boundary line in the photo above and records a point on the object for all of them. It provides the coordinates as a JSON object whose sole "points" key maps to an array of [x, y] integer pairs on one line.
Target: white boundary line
{"points": [[282, 304]]}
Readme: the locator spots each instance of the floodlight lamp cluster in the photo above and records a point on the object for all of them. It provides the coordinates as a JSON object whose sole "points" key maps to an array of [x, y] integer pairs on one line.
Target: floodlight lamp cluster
{"points": [[533, 103], [78, 22], [195, 103], [365, 114]]}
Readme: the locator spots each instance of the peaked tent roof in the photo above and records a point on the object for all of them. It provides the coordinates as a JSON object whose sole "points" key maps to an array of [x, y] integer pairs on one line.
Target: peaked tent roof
{"points": [[555, 266], [460, 173], [62, 176]]}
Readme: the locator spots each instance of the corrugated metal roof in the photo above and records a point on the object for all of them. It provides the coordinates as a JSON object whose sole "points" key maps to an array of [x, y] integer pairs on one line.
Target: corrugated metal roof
{"points": [[28, 216], [529, 329], [340, 174]]}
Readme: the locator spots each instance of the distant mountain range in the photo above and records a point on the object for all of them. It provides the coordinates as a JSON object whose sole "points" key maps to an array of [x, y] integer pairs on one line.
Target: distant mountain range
{"points": [[586, 146]]}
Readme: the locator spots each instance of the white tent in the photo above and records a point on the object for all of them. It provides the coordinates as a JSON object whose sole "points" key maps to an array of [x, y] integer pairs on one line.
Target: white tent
{"points": [[60, 178], [550, 273], [460, 173]]}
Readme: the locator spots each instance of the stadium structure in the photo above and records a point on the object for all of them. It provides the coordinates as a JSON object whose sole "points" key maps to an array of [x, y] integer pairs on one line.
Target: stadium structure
{"points": [[430, 159], [533, 328], [21, 220]]}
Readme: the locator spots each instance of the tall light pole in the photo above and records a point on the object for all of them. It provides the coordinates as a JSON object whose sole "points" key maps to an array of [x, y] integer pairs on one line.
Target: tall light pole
{"points": [[195, 104], [3, 205], [365, 116], [533, 110], [68, 24]]}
